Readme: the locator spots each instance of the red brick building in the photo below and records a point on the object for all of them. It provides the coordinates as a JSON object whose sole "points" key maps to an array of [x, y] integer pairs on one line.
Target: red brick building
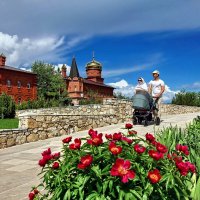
{"points": [[20, 84], [83, 88]]}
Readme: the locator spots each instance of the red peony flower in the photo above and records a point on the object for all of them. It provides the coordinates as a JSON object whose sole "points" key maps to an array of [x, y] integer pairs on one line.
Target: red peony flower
{"points": [[76, 144], [85, 162], [92, 132], [31, 196], [139, 148], [128, 140], [42, 162], [117, 136], [96, 139], [121, 168], [128, 126], [191, 166], [47, 152], [55, 165], [35, 191], [161, 148], [67, 140], [109, 136], [56, 155], [132, 132], [150, 137], [183, 168], [155, 154], [154, 176], [115, 149], [183, 148]]}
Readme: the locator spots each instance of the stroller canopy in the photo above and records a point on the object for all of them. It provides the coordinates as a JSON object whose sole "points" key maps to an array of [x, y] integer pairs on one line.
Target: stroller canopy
{"points": [[142, 100]]}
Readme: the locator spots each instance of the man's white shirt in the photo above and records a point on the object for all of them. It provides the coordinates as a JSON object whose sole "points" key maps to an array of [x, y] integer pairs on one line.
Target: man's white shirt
{"points": [[156, 86]]}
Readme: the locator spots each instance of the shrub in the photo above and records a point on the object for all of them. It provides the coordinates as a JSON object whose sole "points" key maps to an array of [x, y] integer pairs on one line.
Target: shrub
{"points": [[124, 166], [187, 98], [7, 106]]}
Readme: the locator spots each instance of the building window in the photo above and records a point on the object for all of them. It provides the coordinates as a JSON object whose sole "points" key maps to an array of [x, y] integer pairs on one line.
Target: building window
{"points": [[28, 85], [19, 100], [75, 88], [8, 83], [18, 84]]}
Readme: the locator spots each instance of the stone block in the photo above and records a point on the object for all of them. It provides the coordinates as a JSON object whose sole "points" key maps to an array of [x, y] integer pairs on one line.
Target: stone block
{"points": [[32, 137]]}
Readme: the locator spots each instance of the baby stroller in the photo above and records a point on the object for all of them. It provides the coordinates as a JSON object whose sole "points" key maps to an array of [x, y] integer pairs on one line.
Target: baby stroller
{"points": [[144, 106]]}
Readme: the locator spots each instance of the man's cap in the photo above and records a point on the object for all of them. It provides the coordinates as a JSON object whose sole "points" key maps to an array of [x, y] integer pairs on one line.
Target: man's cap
{"points": [[155, 72]]}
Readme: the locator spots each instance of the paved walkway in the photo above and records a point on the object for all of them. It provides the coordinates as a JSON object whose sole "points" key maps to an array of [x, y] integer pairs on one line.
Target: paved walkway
{"points": [[18, 164]]}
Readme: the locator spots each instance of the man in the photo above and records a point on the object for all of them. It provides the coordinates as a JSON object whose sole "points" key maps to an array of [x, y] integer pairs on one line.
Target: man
{"points": [[156, 89]]}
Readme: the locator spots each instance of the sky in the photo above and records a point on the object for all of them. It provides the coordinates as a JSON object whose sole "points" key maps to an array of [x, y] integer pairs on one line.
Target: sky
{"points": [[130, 38]]}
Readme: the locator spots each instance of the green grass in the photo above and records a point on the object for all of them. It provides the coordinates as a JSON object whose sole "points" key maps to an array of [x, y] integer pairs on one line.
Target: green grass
{"points": [[9, 123]]}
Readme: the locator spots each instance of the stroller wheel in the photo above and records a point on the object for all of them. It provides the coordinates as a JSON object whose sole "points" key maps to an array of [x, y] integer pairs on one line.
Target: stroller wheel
{"points": [[139, 121], [134, 120], [157, 121], [145, 122]]}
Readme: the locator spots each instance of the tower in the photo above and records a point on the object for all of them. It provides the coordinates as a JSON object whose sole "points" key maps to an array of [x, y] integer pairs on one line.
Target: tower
{"points": [[93, 71]]}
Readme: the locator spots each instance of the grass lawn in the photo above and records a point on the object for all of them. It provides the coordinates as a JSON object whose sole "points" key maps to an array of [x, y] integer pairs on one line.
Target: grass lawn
{"points": [[9, 123]]}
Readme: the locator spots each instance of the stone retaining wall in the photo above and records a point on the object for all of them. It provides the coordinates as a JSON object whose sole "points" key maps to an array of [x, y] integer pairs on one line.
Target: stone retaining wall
{"points": [[46, 123]]}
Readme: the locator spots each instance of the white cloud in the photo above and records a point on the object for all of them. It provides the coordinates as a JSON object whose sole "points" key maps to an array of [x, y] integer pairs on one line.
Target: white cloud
{"points": [[126, 89], [121, 71], [24, 51], [119, 84], [193, 86], [97, 17]]}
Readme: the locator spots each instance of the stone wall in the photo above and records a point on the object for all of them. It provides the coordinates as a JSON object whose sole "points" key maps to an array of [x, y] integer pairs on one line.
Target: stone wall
{"points": [[172, 109], [46, 123], [41, 124]]}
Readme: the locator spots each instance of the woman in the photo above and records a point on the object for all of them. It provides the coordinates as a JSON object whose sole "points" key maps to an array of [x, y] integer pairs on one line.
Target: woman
{"points": [[141, 86]]}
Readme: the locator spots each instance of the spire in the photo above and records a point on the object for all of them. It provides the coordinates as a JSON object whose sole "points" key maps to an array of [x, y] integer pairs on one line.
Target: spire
{"points": [[74, 70], [92, 55]]}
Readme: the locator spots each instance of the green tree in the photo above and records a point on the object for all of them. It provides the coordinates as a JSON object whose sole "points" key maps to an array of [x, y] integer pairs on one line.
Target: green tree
{"points": [[7, 106], [50, 81]]}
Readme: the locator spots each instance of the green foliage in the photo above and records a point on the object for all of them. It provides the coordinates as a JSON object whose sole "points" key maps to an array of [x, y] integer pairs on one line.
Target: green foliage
{"points": [[70, 176], [7, 106], [190, 137], [9, 123], [92, 98], [119, 95], [42, 103], [187, 98], [90, 101], [50, 81]]}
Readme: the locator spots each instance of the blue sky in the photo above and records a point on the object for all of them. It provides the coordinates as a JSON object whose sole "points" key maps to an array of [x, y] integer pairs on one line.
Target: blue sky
{"points": [[130, 38]]}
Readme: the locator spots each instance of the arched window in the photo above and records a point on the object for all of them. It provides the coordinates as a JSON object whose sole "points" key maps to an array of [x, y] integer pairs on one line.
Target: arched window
{"points": [[18, 84], [8, 83], [28, 85]]}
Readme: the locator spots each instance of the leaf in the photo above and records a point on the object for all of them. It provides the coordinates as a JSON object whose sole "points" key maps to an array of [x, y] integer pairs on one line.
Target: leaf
{"points": [[91, 196], [67, 195], [135, 193]]}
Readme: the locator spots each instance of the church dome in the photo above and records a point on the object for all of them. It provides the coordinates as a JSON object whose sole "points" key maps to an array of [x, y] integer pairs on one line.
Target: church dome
{"points": [[94, 65]]}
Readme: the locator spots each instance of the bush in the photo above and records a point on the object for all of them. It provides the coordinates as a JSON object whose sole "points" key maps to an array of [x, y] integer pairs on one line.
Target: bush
{"points": [[90, 101], [189, 141], [125, 166], [187, 98], [42, 103], [7, 106]]}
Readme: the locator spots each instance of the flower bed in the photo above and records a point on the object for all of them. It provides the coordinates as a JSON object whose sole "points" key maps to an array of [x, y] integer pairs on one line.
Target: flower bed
{"points": [[124, 166]]}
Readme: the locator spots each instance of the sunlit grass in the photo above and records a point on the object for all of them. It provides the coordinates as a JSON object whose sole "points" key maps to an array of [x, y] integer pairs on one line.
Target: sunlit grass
{"points": [[9, 123]]}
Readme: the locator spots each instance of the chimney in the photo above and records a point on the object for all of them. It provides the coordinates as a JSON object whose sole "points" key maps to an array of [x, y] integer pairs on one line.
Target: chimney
{"points": [[64, 74], [2, 60]]}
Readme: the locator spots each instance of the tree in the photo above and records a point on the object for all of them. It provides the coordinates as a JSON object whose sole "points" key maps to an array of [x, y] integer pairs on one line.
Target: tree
{"points": [[7, 106], [50, 81]]}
